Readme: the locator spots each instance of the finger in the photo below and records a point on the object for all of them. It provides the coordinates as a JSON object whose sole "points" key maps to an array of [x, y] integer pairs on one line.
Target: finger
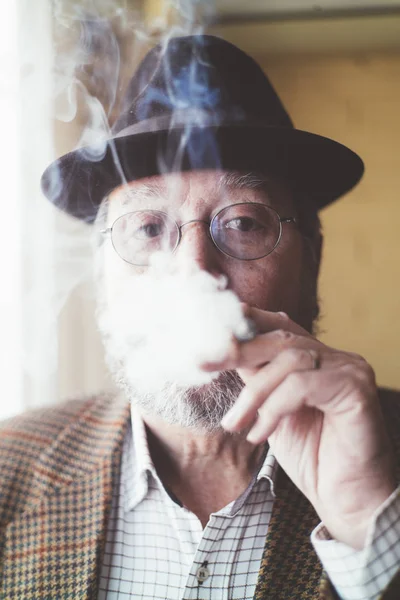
{"points": [[262, 384], [344, 391], [231, 358], [247, 353], [261, 350], [266, 321], [245, 308], [281, 403], [266, 347]]}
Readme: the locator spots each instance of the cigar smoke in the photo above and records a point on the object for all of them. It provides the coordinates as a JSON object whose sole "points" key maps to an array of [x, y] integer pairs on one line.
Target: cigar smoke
{"points": [[97, 46], [163, 324], [159, 327]]}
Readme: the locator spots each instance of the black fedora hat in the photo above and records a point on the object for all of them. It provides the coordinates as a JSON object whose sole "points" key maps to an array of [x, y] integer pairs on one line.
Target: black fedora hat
{"points": [[199, 102]]}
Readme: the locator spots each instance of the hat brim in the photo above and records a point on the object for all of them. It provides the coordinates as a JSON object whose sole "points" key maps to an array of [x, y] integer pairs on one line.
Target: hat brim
{"points": [[314, 165]]}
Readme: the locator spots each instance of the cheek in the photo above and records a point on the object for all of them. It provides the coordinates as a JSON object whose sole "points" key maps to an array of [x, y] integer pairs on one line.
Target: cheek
{"points": [[272, 283], [117, 274]]}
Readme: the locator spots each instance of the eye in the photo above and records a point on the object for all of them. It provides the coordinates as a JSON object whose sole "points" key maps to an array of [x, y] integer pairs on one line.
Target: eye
{"points": [[149, 230], [244, 224]]}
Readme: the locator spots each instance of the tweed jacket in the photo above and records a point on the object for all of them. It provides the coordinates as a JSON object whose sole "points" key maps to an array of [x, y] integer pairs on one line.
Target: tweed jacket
{"points": [[57, 470]]}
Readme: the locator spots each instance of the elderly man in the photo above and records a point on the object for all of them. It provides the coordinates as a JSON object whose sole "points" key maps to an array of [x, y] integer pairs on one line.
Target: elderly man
{"points": [[277, 478]]}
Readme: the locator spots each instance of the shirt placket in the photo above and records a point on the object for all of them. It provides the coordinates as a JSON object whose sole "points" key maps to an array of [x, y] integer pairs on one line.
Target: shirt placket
{"points": [[200, 584]]}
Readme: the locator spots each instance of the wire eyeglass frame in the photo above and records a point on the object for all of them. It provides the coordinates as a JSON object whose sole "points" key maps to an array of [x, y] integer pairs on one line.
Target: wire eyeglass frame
{"points": [[282, 220]]}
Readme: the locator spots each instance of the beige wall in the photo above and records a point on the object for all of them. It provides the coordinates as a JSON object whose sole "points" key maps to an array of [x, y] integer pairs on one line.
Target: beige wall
{"points": [[356, 100]]}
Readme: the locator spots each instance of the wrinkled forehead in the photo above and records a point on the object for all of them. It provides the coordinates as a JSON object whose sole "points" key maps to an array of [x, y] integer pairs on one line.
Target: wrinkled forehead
{"points": [[214, 188]]}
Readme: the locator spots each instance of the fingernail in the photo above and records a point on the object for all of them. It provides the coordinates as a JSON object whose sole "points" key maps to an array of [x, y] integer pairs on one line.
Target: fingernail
{"points": [[231, 418], [254, 437]]}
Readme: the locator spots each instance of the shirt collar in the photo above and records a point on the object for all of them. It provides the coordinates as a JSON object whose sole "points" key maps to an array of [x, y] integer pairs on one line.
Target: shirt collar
{"points": [[138, 466], [269, 470]]}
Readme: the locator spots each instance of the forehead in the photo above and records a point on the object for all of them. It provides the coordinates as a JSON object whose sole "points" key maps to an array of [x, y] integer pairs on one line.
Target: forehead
{"points": [[212, 187]]}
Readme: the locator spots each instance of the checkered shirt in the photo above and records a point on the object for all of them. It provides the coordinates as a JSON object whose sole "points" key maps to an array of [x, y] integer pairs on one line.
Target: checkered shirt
{"points": [[157, 549]]}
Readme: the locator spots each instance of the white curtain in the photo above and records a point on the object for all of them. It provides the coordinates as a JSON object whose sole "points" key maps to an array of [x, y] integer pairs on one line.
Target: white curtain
{"points": [[10, 234], [49, 344], [27, 237]]}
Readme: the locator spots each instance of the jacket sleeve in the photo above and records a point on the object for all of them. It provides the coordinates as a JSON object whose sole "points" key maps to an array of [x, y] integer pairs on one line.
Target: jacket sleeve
{"points": [[390, 403], [328, 592]]}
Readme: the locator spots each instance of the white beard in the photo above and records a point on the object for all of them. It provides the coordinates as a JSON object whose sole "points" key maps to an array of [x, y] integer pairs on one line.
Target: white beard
{"points": [[157, 330]]}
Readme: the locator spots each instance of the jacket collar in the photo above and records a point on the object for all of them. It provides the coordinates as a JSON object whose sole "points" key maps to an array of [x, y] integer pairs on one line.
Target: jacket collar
{"points": [[55, 547]]}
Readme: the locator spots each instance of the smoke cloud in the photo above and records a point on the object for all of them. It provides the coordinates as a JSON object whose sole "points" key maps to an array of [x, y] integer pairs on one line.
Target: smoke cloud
{"points": [[98, 45], [163, 324]]}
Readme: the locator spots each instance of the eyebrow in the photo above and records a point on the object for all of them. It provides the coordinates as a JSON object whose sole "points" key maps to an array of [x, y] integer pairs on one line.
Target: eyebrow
{"points": [[144, 193], [240, 181]]}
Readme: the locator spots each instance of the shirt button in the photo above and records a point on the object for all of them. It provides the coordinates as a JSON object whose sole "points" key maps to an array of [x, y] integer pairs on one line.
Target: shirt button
{"points": [[202, 574]]}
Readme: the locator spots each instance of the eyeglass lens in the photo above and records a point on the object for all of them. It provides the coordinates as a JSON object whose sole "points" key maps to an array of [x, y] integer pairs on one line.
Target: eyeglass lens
{"points": [[246, 231]]}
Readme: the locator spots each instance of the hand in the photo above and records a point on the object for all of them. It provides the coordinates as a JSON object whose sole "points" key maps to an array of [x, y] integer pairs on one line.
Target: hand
{"points": [[319, 410]]}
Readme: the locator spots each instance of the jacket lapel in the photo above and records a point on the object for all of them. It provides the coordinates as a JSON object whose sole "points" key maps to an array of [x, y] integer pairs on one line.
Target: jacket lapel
{"points": [[58, 543], [290, 567]]}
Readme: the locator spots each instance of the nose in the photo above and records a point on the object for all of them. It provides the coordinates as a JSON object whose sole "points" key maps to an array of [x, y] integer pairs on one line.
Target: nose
{"points": [[197, 247]]}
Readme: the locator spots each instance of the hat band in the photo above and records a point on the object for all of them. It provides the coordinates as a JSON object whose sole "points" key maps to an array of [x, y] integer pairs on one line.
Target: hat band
{"points": [[192, 118]]}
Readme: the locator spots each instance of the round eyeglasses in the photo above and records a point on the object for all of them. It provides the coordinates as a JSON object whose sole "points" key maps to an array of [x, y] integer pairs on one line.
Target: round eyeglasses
{"points": [[246, 231]]}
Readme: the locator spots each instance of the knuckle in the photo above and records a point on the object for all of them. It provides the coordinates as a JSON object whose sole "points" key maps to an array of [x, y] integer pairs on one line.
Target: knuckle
{"points": [[350, 370], [295, 356], [290, 355], [367, 368], [355, 356], [360, 385], [284, 336], [358, 398], [361, 362], [366, 374], [347, 368], [360, 372]]}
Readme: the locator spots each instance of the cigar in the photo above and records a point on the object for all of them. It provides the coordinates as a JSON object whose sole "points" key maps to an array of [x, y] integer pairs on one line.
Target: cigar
{"points": [[247, 332]]}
